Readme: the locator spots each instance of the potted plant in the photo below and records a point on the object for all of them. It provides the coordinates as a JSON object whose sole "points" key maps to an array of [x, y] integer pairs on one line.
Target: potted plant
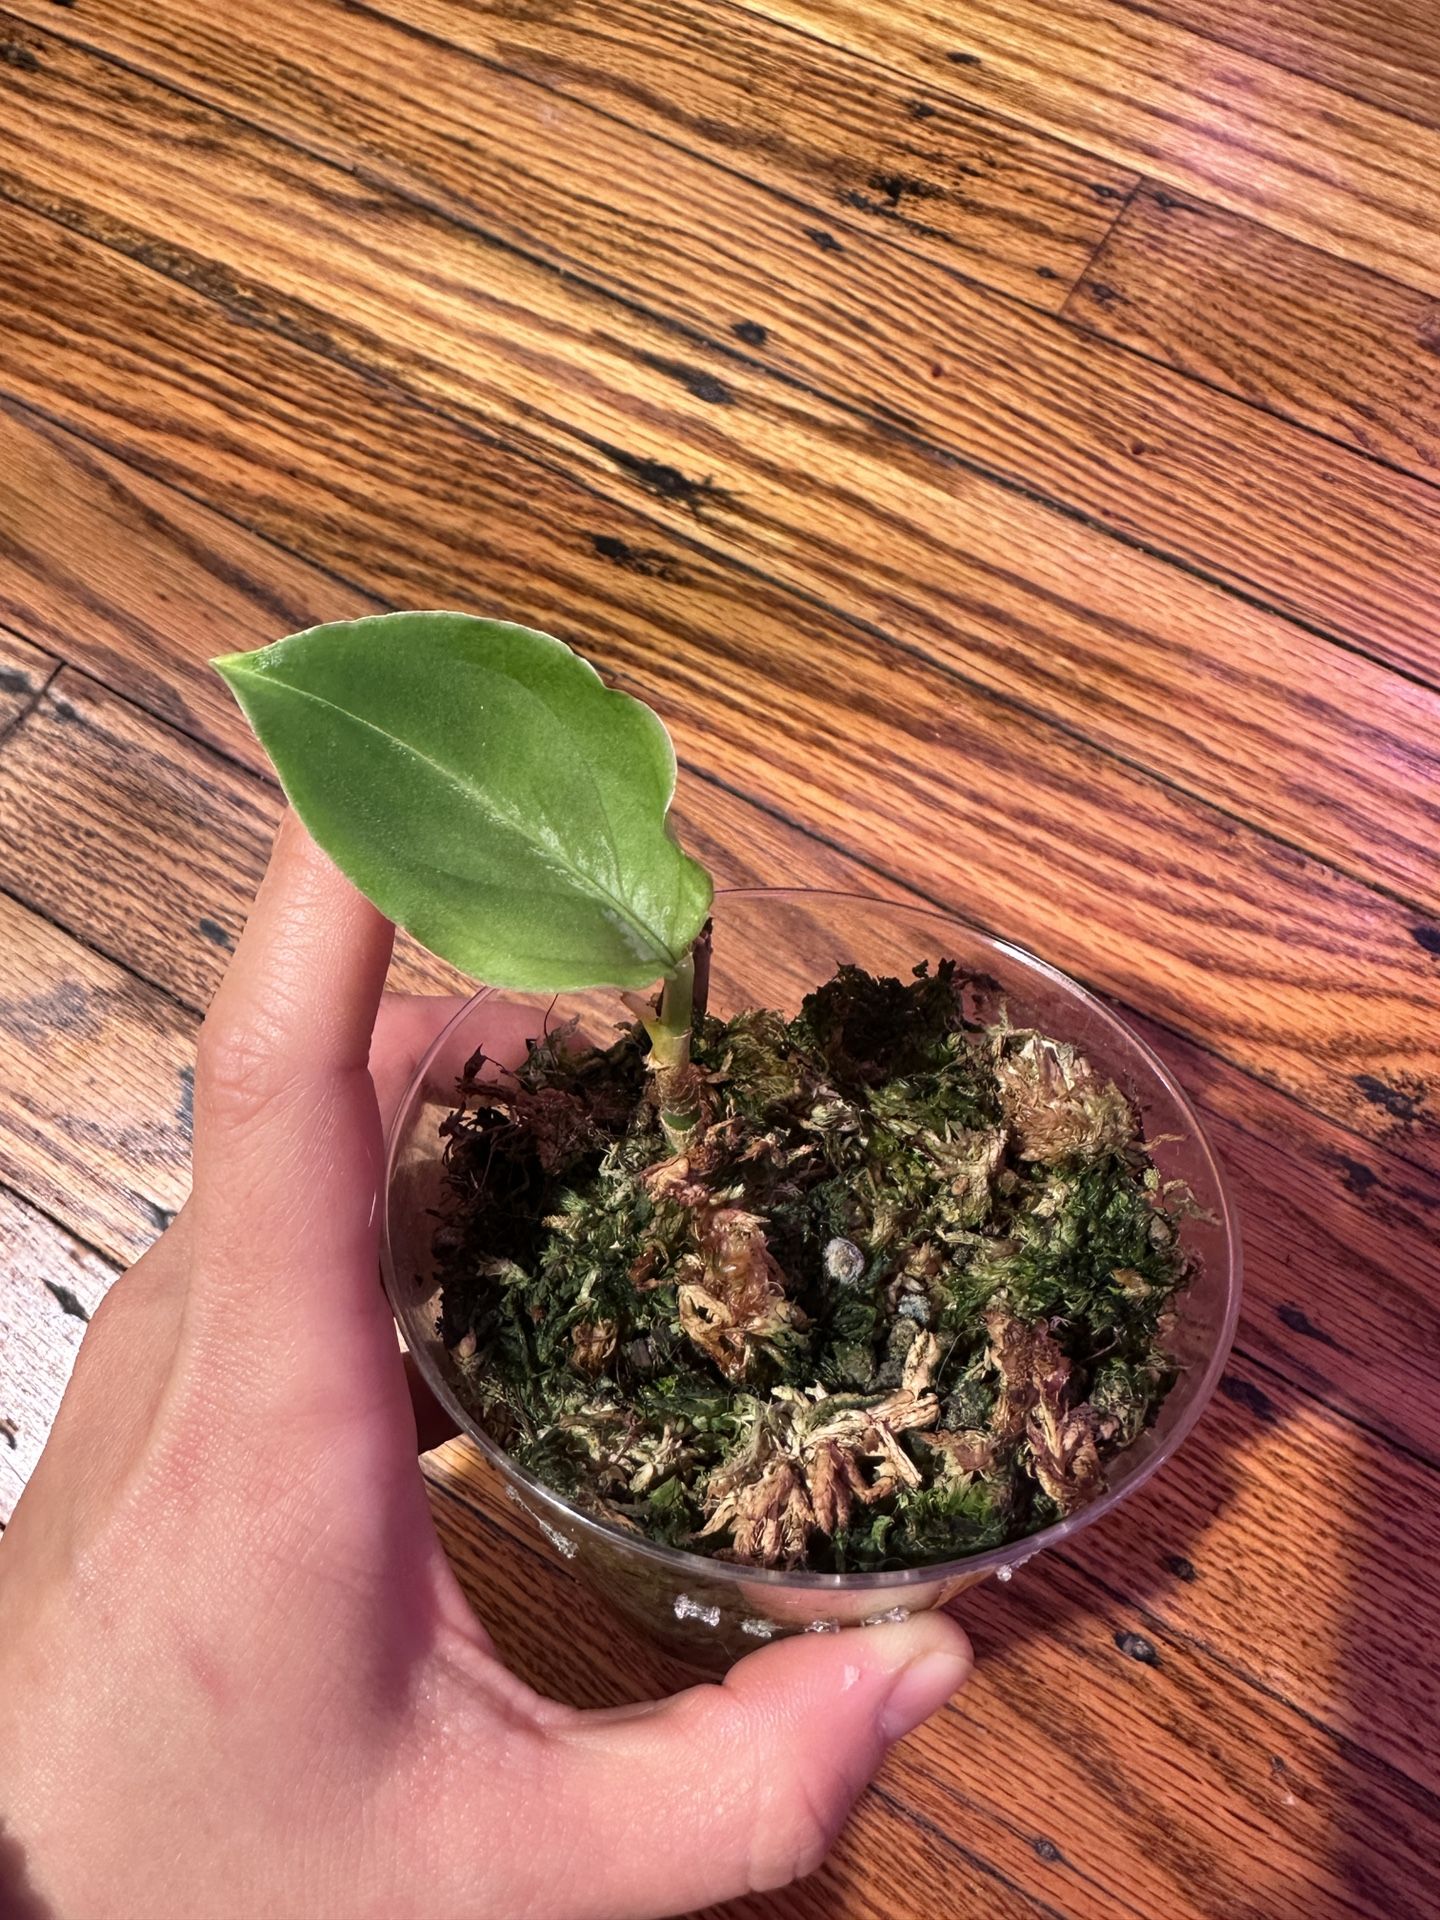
{"points": [[813, 1255]]}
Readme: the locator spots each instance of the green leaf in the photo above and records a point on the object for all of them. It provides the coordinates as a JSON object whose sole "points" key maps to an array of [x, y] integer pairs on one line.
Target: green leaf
{"points": [[486, 790]]}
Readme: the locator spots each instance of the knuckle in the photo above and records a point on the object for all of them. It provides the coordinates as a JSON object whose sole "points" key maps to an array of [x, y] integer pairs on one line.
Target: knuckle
{"points": [[240, 1070], [127, 1308], [107, 1333], [113, 1313], [124, 1344]]}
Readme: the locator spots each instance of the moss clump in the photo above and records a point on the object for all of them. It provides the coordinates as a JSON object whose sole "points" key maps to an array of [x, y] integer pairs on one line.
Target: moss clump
{"points": [[901, 1297]]}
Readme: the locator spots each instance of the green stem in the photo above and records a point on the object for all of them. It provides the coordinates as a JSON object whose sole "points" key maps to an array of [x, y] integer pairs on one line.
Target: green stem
{"points": [[669, 1030]]}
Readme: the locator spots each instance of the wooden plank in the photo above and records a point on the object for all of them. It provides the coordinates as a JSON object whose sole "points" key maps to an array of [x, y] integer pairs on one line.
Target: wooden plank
{"points": [[1286, 327], [1099, 433], [24, 674], [1275, 1497], [1130, 1750], [1096, 637], [171, 586], [1302, 158], [1215, 1799], [1106, 1761], [53, 1283], [1356, 759], [1340, 1249], [90, 786], [1318, 984], [929, 177], [1383, 51], [95, 1088]]}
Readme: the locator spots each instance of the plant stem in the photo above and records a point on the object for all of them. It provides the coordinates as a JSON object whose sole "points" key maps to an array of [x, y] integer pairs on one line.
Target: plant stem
{"points": [[675, 1080], [670, 1035]]}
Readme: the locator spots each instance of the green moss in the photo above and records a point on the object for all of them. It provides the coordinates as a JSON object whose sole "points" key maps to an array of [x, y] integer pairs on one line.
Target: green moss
{"points": [[899, 1300]]}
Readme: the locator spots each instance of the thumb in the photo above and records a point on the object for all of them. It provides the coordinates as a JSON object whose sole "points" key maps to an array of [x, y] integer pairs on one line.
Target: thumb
{"points": [[738, 1787]]}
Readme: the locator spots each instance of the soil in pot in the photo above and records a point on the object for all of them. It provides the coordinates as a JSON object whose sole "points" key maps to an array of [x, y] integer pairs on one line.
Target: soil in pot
{"points": [[897, 1295]]}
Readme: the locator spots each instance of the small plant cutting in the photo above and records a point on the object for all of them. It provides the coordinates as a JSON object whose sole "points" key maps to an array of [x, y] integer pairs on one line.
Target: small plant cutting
{"points": [[873, 1283]]}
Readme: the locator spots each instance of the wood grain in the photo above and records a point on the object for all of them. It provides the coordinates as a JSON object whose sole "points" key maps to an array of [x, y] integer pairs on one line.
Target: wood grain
{"points": [[1340, 1251], [1226, 301], [1310, 161], [929, 178], [171, 584], [95, 1088], [1222, 1802], [1023, 399], [92, 786], [24, 673], [1278, 1497], [1244, 681], [53, 1283], [1338, 1009], [1383, 51]]}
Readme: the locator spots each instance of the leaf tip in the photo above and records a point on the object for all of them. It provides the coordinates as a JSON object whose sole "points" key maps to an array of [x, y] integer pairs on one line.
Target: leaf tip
{"points": [[230, 666]]}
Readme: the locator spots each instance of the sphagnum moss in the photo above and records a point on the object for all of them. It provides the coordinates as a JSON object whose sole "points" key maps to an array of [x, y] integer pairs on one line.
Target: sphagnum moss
{"points": [[898, 1296]]}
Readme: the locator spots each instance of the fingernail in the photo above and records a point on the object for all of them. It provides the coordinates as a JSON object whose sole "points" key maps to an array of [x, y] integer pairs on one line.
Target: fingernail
{"points": [[922, 1689]]}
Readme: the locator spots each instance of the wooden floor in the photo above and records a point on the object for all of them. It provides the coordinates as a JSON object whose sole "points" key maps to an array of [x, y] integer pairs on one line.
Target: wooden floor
{"points": [[1002, 438]]}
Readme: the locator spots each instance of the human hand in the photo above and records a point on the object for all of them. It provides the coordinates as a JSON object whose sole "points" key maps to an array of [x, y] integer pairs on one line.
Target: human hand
{"points": [[237, 1675]]}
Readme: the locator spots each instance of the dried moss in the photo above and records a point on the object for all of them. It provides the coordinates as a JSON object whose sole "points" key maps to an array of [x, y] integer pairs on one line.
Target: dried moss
{"points": [[901, 1298]]}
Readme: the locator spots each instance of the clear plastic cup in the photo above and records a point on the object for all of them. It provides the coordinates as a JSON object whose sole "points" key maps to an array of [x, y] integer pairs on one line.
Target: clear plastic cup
{"points": [[771, 948]]}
